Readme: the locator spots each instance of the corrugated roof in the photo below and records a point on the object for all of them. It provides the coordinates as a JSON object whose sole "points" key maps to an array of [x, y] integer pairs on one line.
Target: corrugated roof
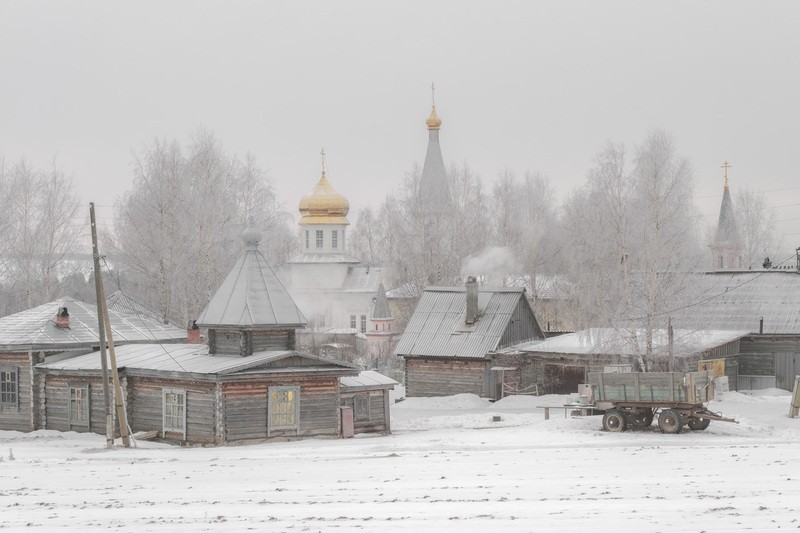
{"points": [[621, 342], [251, 294], [738, 300], [190, 358], [367, 379], [35, 329], [437, 326]]}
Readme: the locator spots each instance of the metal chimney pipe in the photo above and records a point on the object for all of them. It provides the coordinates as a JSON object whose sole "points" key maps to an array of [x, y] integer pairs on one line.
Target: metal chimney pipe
{"points": [[761, 326], [472, 300]]}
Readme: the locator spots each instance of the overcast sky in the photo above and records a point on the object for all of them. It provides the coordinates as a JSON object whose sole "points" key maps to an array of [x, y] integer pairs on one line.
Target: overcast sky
{"points": [[520, 85]]}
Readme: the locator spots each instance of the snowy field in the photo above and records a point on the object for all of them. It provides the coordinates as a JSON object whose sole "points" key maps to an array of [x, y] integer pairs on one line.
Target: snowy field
{"points": [[447, 467]]}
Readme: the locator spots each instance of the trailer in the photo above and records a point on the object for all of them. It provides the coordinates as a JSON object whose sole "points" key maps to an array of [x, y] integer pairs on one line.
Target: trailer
{"points": [[635, 398]]}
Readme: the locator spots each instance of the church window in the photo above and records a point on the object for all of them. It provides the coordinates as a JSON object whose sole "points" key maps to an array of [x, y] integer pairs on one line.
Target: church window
{"points": [[363, 323], [306, 239], [334, 239], [352, 321], [319, 238]]}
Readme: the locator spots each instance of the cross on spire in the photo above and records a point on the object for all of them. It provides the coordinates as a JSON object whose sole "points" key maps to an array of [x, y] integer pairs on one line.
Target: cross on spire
{"points": [[322, 154], [433, 95], [726, 166]]}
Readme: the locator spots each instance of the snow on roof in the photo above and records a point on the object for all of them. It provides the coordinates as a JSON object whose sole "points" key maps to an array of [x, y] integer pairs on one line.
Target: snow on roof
{"points": [[613, 341], [362, 279], [406, 290], [738, 300], [437, 327], [324, 258], [35, 329], [190, 358], [368, 379], [119, 301], [251, 295]]}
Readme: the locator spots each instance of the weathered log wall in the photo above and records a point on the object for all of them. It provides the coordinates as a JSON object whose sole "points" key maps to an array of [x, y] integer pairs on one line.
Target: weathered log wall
{"points": [[18, 417], [378, 420], [445, 376]]}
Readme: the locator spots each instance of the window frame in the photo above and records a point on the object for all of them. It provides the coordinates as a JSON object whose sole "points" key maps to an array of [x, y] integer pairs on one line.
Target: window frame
{"points": [[358, 414], [335, 239], [271, 405], [165, 428], [307, 245], [320, 239], [85, 408], [9, 399], [353, 322], [363, 324]]}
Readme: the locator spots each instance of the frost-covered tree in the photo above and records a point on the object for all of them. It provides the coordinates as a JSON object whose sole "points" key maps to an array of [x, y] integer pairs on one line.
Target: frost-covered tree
{"points": [[40, 226], [756, 221], [177, 232], [633, 234]]}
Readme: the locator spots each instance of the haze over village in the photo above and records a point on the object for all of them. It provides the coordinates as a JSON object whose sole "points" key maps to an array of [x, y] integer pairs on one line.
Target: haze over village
{"points": [[345, 265]]}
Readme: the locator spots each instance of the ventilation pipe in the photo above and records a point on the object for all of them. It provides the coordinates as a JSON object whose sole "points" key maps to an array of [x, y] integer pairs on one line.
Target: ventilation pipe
{"points": [[472, 300]]}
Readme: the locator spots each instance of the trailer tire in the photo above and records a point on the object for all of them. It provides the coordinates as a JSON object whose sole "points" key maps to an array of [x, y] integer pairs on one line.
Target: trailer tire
{"points": [[698, 424], [670, 421], [642, 418], [614, 421]]}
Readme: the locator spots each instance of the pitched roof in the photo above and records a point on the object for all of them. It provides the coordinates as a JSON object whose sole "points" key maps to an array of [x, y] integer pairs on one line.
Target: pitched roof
{"points": [[194, 359], [251, 294], [437, 327], [119, 301], [381, 310], [738, 300], [35, 329], [727, 229], [368, 379], [621, 342]]}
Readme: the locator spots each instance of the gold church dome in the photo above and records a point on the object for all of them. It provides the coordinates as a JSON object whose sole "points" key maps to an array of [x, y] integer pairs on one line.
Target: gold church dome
{"points": [[433, 122], [323, 205]]}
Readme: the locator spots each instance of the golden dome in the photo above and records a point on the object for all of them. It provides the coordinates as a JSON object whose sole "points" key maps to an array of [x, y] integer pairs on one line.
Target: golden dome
{"points": [[323, 205], [434, 122]]}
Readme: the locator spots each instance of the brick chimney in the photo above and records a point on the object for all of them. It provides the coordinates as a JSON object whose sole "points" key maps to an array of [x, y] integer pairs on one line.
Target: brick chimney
{"points": [[472, 300], [62, 318], [193, 333]]}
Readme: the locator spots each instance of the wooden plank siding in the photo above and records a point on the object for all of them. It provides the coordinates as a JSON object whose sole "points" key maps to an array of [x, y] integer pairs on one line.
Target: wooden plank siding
{"points": [[378, 421], [18, 417], [521, 327], [445, 376], [771, 355], [56, 404]]}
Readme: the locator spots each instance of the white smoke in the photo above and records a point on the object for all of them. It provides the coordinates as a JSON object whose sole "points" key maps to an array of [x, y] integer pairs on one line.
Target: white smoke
{"points": [[492, 264]]}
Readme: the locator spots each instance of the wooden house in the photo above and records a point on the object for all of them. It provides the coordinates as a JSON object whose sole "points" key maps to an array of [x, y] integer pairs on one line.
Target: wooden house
{"points": [[450, 341], [55, 330], [249, 382], [367, 394]]}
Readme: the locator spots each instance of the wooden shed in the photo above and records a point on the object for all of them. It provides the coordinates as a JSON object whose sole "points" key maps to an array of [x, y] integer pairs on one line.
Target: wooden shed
{"points": [[58, 329], [368, 395], [449, 342]]}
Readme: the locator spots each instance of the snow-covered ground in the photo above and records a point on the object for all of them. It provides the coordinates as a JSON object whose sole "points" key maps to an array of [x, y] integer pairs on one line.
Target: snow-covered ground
{"points": [[447, 467]]}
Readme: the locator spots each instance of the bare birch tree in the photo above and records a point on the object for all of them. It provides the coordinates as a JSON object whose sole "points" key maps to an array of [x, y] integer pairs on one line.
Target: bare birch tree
{"points": [[756, 221]]}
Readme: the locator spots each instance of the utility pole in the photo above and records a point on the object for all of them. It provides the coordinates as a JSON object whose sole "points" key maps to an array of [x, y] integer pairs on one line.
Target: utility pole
{"points": [[670, 345], [98, 286], [120, 405]]}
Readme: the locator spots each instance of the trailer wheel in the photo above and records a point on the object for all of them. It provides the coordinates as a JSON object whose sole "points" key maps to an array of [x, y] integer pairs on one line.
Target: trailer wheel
{"points": [[698, 424], [670, 421], [614, 420], [642, 418]]}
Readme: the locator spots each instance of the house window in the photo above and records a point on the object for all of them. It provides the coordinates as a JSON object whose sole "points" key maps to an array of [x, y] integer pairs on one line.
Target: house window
{"points": [[283, 408], [362, 407], [9, 387], [334, 239], [175, 411], [363, 323], [352, 321], [319, 238], [306, 239], [79, 405]]}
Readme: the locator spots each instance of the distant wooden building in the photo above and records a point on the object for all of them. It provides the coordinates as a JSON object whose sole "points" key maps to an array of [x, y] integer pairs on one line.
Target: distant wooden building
{"points": [[368, 395], [450, 342], [247, 383], [55, 330]]}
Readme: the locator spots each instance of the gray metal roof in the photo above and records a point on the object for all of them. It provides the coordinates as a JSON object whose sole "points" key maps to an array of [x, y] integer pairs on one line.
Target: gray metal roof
{"points": [[324, 258], [381, 309], [189, 358], [251, 294], [613, 341], [368, 379], [738, 300], [437, 327], [362, 279], [35, 329], [434, 189]]}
